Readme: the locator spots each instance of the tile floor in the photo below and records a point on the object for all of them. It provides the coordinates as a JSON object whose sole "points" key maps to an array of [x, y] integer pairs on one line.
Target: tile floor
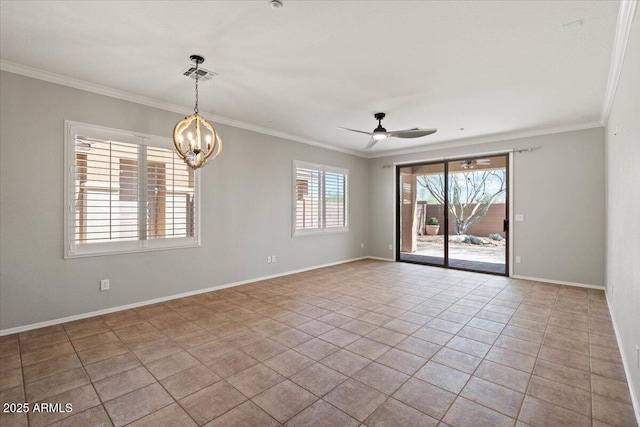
{"points": [[366, 343]]}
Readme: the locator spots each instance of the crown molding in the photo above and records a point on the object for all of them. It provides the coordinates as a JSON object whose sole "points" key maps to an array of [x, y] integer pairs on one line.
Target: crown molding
{"points": [[623, 31], [167, 106], [50, 77], [487, 139]]}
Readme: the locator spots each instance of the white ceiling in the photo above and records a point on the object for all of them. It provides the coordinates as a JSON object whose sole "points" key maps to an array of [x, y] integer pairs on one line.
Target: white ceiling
{"points": [[491, 67]]}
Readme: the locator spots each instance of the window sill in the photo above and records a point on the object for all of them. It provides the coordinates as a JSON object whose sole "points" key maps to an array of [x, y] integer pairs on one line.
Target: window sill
{"points": [[319, 232], [132, 250]]}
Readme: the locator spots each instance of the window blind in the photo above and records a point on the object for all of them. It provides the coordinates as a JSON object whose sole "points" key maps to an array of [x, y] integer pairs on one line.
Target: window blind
{"points": [[126, 193], [335, 202], [106, 191], [308, 203], [170, 195], [320, 198]]}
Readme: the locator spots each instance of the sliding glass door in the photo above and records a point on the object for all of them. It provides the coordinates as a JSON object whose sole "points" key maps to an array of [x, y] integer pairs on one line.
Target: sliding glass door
{"points": [[421, 216], [454, 214]]}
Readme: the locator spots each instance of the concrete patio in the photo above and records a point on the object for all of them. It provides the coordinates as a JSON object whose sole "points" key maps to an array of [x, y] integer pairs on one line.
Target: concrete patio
{"points": [[430, 249]]}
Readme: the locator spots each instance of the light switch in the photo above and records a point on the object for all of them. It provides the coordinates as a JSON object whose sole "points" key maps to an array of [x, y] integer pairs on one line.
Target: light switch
{"points": [[519, 217]]}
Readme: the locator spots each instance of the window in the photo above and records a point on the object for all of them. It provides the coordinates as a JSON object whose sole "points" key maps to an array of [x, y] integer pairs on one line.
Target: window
{"points": [[126, 193], [320, 199]]}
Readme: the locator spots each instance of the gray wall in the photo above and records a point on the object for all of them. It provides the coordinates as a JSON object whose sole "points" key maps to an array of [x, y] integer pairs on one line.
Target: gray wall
{"points": [[246, 202], [246, 216], [623, 202], [559, 187]]}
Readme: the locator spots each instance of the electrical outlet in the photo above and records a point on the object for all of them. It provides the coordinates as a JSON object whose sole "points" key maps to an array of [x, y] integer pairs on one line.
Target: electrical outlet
{"points": [[518, 259], [390, 247], [362, 245], [104, 284], [269, 259], [273, 258]]}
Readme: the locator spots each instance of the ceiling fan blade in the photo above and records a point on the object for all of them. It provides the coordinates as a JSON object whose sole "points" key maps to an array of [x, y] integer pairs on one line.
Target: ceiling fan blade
{"points": [[411, 133], [371, 143], [359, 131]]}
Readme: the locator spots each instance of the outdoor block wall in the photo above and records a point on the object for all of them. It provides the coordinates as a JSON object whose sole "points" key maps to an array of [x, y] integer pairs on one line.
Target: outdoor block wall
{"points": [[491, 223]]}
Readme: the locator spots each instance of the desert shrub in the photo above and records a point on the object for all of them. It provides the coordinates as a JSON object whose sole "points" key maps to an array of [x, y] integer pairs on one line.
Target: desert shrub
{"points": [[433, 221], [495, 236], [474, 240]]}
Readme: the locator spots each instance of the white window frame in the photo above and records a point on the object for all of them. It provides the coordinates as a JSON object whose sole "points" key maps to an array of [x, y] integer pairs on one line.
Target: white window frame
{"points": [[73, 250], [295, 232]]}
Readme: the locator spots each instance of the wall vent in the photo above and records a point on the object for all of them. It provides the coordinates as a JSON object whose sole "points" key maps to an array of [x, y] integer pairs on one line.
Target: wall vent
{"points": [[203, 73]]}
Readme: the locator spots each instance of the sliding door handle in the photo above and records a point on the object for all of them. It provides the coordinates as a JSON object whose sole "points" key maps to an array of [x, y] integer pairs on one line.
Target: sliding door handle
{"points": [[505, 225]]}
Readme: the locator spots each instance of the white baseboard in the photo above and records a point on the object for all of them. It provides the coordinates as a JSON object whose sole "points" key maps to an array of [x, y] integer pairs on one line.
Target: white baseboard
{"points": [[381, 258], [29, 327], [625, 364], [558, 282]]}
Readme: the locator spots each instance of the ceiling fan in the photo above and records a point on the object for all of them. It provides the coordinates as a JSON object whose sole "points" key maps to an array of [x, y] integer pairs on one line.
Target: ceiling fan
{"points": [[381, 133], [471, 163]]}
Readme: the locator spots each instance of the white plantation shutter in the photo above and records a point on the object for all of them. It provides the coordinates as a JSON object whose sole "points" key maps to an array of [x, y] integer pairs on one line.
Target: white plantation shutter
{"points": [[170, 195], [335, 202], [308, 199], [126, 193], [106, 191], [320, 198]]}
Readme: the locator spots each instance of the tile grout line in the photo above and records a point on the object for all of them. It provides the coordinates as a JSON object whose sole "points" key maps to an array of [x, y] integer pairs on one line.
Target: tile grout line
{"points": [[562, 364], [154, 377], [102, 402], [298, 293], [449, 340], [141, 365], [537, 355], [85, 372], [458, 395], [24, 381]]}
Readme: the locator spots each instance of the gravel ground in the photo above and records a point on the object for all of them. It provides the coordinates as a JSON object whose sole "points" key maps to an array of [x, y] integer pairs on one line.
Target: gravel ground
{"points": [[492, 251]]}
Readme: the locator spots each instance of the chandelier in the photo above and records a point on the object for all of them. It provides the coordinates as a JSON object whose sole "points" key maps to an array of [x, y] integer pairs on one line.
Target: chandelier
{"points": [[194, 138]]}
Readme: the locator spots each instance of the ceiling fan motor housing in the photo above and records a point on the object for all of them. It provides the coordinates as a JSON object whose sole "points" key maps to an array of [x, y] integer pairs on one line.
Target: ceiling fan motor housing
{"points": [[379, 129]]}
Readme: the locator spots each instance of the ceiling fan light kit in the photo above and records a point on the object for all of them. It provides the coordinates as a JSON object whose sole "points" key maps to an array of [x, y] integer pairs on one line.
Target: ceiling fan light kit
{"points": [[472, 163], [194, 139], [380, 133]]}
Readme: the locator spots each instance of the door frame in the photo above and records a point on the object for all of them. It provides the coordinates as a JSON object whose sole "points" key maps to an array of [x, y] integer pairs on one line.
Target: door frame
{"points": [[508, 154]]}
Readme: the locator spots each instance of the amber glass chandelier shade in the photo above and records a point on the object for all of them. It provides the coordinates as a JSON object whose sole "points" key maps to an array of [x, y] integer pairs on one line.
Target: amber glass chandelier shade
{"points": [[196, 141]]}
